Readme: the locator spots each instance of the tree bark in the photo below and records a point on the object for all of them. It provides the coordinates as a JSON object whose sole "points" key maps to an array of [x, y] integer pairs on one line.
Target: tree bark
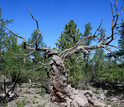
{"points": [[60, 80], [66, 96], [62, 93]]}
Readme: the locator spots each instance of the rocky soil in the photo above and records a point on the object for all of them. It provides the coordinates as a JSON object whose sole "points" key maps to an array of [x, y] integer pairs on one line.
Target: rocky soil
{"points": [[31, 95]]}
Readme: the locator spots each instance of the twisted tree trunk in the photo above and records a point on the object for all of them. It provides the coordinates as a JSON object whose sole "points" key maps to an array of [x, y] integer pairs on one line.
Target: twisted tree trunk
{"points": [[60, 80], [66, 96], [62, 92]]}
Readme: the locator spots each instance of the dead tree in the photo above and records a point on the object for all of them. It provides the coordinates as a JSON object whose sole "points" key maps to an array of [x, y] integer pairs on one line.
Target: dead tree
{"points": [[8, 93], [61, 91]]}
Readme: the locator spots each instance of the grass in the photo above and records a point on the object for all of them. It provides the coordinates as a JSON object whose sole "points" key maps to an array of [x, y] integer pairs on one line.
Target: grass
{"points": [[35, 96], [2, 104], [112, 105], [20, 104], [33, 102], [37, 102], [42, 93]]}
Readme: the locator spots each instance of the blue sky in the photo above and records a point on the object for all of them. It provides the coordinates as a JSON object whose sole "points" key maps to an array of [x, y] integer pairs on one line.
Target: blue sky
{"points": [[52, 16]]}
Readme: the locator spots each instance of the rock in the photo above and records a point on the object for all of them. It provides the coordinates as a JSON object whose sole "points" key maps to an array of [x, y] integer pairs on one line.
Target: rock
{"points": [[82, 101], [12, 95], [75, 98], [122, 101], [2, 77], [18, 90], [105, 92], [2, 95], [88, 96], [101, 96], [73, 104], [91, 88], [94, 97], [98, 104], [12, 104], [114, 100], [88, 92]]}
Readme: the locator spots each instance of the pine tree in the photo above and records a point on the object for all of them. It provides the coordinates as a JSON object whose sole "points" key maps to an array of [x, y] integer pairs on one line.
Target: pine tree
{"points": [[69, 37], [3, 38], [8, 44], [98, 58], [65, 40], [40, 43], [86, 67], [87, 32], [121, 40]]}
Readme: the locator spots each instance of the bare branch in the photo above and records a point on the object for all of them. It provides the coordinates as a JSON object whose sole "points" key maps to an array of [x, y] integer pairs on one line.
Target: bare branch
{"points": [[121, 11], [39, 62], [33, 18], [13, 32], [70, 51], [9, 92], [4, 86], [113, 46], [79, 57], [110, 51], [13, 87], [98, 28], [42, 64], [112, 9], [24, 40], [114, 21], [37, 28], [23, 55]]}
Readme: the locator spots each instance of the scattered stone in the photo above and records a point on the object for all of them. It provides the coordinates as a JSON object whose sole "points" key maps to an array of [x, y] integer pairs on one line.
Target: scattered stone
{"points": [[12, 104], [114, 100], [77, 98]]}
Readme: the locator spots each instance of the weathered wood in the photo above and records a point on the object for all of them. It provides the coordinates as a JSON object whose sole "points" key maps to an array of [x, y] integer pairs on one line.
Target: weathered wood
{"points": [[61, 91]]}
